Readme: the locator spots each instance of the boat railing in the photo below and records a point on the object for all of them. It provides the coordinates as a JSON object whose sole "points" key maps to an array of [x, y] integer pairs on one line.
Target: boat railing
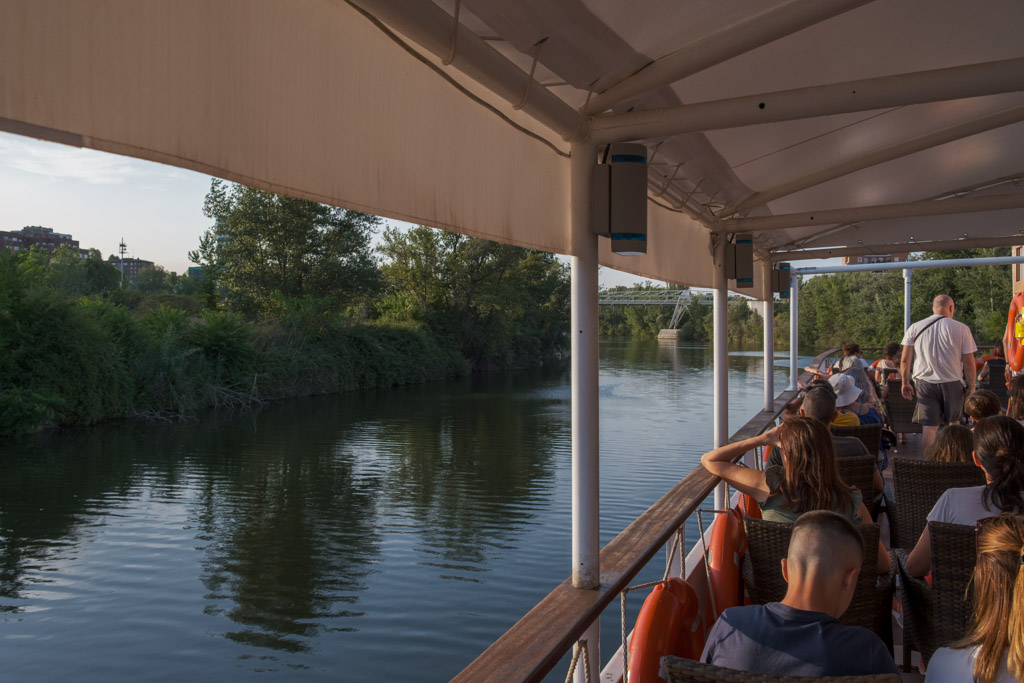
{"points": [[535, 644]]}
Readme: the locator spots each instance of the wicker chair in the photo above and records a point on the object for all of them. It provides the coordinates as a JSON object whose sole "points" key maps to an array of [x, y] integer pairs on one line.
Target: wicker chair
{"points": [[935, 616], [917, 485], [997, 380], [679, 670], [768, 543], [859, 471], [899, 411], [870, 435]]}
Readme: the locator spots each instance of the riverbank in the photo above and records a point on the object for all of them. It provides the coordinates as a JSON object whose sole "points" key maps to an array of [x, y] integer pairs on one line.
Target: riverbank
{"points": [[79, 361]]}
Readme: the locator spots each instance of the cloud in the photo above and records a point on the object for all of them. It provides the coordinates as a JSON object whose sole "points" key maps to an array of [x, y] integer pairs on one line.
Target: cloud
{"points": [[59, 162]]}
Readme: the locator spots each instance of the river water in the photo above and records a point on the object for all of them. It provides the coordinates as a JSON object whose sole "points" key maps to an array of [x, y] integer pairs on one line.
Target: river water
{"points": [[372, 535]]}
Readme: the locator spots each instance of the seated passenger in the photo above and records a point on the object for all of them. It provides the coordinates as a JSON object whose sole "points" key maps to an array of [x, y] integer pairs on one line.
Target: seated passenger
{"points": [[802, 636], [954, 443], [867, 403], [981, 404], [1015, 406], [851, 412], [999, 451], [996, 362], [808, 480], [821, 405], [852, 357], [993, 649], [888, 367]]}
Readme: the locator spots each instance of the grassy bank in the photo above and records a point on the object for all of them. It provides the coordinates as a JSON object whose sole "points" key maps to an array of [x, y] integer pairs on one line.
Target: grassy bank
{"points": [[67, 361]]}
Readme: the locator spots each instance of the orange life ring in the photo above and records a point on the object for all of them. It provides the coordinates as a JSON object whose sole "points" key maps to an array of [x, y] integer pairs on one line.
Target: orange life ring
{"points": [[749, 506], [1014, 333], [668, 624], [728, 544]]}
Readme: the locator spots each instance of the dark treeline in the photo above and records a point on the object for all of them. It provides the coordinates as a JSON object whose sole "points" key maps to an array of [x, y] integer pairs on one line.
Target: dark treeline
{"points": [[866, 308], [294, 300]]}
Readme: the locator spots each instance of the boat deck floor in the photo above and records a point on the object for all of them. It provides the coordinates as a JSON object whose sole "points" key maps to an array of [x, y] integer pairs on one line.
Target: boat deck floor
{"points": [[911, 449]]}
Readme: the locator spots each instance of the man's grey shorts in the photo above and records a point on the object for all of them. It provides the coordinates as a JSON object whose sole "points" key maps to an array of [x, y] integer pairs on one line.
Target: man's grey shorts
{"points": [[938, 404]]}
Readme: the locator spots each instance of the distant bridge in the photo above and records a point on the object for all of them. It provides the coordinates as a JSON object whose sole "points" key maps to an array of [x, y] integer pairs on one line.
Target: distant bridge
{"points": [[680, 298]]}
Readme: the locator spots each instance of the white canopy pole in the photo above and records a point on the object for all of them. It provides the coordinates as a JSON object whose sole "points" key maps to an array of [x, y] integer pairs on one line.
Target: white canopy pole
{"points": [[794, 325], [907, 272], [586, 549], [721, 358], [769, 339]]}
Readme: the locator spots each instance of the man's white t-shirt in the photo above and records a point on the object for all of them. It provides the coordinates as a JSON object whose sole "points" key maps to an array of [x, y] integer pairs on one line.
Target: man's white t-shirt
{"points": [[938, 354]]}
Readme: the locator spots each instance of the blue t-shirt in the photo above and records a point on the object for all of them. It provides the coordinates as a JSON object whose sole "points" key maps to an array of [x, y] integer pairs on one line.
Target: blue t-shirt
{"points": [[776, 639]]}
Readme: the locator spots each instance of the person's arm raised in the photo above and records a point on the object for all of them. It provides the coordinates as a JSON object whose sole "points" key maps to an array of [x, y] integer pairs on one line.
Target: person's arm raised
{"points": [[745, 480]]}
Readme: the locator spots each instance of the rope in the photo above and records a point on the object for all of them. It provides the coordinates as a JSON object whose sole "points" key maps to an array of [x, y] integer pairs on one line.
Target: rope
{"points": [[622, 622], [707, 566], [455, 35], [533, 70], [581, 648]]}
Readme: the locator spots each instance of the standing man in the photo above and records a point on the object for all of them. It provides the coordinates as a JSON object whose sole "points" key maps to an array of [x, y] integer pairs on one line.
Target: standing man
{"points": [[945, 366]]}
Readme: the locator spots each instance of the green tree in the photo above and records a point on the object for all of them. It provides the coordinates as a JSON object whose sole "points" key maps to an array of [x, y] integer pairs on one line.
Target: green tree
{"points": [[262, 243], [152, 281], [505, 306]]}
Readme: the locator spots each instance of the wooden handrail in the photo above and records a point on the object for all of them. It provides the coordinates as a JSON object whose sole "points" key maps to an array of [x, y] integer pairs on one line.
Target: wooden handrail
{"points": [[535, 643]]}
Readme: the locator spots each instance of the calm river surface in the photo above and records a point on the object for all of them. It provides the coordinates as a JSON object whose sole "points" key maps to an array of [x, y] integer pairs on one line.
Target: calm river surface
{"points": [[375, 535]]}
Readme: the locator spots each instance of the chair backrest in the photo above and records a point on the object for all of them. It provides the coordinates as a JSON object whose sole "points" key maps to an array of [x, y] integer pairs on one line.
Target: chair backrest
{"points": [[679, 670], [768, 543], [859, 471], [898, 410], [997, 379], [954, 554], [870, 435], [917, 485]]}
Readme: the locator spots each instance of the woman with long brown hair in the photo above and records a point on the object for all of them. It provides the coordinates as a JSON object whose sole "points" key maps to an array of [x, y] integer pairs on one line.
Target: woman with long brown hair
{"points": [[993, 649], [999, 451], [807, 480]]}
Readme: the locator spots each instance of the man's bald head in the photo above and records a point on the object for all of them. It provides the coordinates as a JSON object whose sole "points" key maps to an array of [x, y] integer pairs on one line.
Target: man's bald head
{"points": [[823, 544], [943, 305]]}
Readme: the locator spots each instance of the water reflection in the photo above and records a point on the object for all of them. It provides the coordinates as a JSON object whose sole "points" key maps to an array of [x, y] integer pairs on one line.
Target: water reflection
{"points": [[312, 537]]}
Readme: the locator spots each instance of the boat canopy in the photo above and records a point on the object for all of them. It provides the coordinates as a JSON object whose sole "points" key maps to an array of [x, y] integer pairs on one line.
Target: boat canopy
{"points": [[820, 128]]}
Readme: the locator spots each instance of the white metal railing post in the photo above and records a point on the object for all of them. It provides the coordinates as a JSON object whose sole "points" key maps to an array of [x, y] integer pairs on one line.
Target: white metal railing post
{"points": [[586, 548], [794, 327], [907, 273], [721, 357], [769, 336]]}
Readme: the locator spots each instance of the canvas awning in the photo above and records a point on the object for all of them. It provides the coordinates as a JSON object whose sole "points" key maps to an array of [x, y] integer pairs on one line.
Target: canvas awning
{"points": [[821, 128]]}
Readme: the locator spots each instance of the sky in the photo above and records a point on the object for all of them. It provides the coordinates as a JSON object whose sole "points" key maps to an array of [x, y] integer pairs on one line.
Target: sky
{"points": [[102, 198]]}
